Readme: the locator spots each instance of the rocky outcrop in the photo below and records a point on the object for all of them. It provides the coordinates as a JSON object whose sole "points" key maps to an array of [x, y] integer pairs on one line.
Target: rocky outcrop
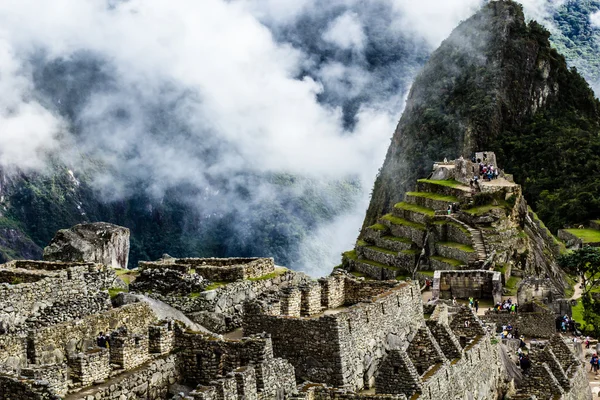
{"points": [[98, 242]]}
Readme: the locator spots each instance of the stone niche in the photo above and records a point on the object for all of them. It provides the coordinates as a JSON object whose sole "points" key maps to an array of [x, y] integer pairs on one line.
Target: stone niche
{"points": [[479, 284]]}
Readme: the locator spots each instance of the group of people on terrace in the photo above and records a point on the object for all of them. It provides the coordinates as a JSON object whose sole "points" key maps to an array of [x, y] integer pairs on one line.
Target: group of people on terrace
{"points": [[508, 332], [506, 305]]}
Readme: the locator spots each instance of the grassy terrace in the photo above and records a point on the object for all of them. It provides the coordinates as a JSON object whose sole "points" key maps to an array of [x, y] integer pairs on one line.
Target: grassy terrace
{"points": [[459, 246], [454, 224], [481, 210], [448, 183], [411, 252], [449, 261], [401, 221], [398, 239], [351, 255], [382, 250], [278, 271], [378, 227], [376, 264], [511, 285], [586, 235], [434, 196], [415, 208]]}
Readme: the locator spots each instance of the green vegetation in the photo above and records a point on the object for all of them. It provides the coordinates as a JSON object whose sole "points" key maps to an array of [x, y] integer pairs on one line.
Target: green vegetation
{"points": [[398, 239], [448, 183], [401, 221], [434, 196], [481, 210], [113, 292], [585, 264], [278, 271], [500, 268], [378, 227], [376, 264], [459, 246], [411, 252], [212, 286], [16, 280], [361, 243], [382, 250], [415, 208], [350, 255], [427, 273], [572, 281], [586, 235], [511, 285], [450, 261], [454, 224]]}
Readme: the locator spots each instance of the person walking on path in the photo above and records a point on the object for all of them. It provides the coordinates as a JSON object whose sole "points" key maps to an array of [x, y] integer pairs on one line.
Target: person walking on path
{"points": [[476, 304]]}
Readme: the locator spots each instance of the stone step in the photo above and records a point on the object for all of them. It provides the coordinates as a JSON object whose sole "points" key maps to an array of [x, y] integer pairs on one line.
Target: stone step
{"points": [[444, 187], [457, 251], [443, 263], [401, 227], [373, 269], [404, 259], [394, 243], [433, 201], [413, 212]]}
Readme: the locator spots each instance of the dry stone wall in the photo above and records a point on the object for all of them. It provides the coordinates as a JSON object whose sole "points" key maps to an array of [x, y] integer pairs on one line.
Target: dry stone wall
{"points": [[478, 284]]}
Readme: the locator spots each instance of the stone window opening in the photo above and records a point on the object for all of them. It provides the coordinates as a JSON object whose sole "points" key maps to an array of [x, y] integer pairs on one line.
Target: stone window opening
{"points": [[349, 326], [199, 361], [447, 377], [398, 299], [367, 316], [383, 308], [137, 341], [411, 293]]}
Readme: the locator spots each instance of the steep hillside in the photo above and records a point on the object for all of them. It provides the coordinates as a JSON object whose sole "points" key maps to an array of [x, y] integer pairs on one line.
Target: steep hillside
{"points": [[497, 84]]}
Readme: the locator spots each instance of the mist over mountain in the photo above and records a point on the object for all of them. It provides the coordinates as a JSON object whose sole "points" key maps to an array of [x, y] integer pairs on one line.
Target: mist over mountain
{"points": [[212, 128]]}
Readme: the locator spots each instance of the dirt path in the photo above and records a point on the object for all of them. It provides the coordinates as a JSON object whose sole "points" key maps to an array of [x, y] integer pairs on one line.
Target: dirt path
{"points": [[578, 290]]}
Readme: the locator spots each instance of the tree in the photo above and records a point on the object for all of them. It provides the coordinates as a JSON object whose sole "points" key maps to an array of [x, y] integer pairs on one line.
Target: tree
{"points": [[585, 263]]}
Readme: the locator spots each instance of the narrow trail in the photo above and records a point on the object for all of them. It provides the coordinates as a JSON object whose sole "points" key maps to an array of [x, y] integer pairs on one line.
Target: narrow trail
{"points": [[578, 290]]}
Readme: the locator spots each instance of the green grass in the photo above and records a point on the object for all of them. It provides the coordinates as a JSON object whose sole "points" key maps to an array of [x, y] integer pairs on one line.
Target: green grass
{"points": [[350, 255], [361, 243], [427, 273], [459, 246], [382, 250], [212, 286], [398, 239], [500, 268], [448, 183], [571, 281], [411, 252], [511, 285], [113, 292], [415, 208], [481, 210], [449, 261], [377, 264], [454, 224], [278, 271], [434, 196], [578, 315], [401, 221], [586, 235], [378, 227]]}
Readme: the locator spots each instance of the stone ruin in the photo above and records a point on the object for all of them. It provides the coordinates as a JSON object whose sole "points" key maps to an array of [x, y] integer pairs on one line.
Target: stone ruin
{"points": [[244, 328]]}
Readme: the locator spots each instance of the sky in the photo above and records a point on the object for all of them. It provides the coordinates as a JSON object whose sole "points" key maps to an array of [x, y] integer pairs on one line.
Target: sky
{"points": [[180, 92]]}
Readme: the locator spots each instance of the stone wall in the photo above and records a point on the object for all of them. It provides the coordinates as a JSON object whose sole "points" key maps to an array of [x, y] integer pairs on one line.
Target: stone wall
{"points": [[91, 366], [535, 289], [12, 388], [344, 348], [479, 284], [149, 382], [66, 284], [13, 352], [55, 342], [225, 304], [530, 324], [217, 269]]}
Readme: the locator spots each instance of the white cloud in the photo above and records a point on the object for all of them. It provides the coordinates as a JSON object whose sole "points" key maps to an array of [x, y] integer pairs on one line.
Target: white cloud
{"points": [[595, 19], [346, 31]]}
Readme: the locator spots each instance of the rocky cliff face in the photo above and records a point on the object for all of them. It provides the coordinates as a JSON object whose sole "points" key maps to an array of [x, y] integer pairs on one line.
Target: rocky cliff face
{"points": [[496, 83]]}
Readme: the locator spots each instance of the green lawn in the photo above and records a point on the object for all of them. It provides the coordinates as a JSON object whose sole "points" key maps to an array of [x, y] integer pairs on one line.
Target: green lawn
{"points": [[351, 255], [427, 273], [578, 315], [113, 292], [378, 227], [401, 221], [481, 210], [382, 250], [449, 261], [586, 235], [214, 285], [459, 246], [415, 208], [397, 239], [511, 285], [448, 183], [434, 196]]}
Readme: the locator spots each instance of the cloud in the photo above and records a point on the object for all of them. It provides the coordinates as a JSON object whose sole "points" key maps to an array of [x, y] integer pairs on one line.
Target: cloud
{"points": [[595, 19], [189, 93]]}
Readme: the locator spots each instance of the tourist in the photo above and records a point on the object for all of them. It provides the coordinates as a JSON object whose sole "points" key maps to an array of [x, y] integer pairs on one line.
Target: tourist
{"points": [[594, 363], [470, 302], [467, 323], [102, 340], [449, 209], [525, 363], [587, 342], [476, 303]]}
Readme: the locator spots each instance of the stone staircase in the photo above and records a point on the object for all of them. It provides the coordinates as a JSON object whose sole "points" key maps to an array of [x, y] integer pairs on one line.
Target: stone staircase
{"points": [[391, 248]]}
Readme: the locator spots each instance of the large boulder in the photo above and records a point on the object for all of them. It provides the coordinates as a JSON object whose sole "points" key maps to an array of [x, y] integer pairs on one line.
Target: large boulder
{"points": [[98, 242]]}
